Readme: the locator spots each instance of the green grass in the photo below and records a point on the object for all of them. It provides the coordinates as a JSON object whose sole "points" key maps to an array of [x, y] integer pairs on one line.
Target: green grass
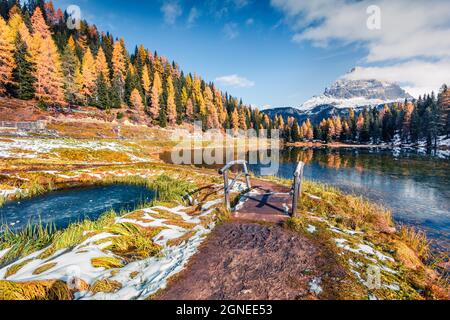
{"points": [[34, 188], [169, 189], [76, 233], [37, 237], [25, 241]]}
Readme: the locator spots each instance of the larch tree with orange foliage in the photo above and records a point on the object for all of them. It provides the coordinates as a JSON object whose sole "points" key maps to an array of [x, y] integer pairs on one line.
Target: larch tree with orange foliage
{"points": [[88, 71], [6, 56], [155, 96], [212, 120], [235, 120], [189, 109], [171, 106], [45, 55], [242, 120], [101, 65], [119, 65], [136, 100], [146, 83], [222, 112], [338, 127]]}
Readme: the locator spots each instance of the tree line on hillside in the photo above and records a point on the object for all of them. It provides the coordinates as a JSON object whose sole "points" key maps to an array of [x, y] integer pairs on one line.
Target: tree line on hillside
{"points": [[40, 58], [424, 119]]}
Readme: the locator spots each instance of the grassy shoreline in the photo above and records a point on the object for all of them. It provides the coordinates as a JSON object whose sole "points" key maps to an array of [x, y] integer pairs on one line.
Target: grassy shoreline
{"points": [[355, 230]]}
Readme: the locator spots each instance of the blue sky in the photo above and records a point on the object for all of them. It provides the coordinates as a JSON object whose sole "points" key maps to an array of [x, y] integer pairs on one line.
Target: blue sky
{"points": [[279, 52]]}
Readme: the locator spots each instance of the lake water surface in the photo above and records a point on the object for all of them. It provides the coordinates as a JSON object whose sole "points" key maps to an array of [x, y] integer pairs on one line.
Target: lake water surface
{"points": [[66, 206], [415, 186]]}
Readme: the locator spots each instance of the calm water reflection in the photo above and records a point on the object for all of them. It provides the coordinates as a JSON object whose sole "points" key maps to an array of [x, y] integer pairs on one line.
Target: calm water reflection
{"points": [[415, 187]]}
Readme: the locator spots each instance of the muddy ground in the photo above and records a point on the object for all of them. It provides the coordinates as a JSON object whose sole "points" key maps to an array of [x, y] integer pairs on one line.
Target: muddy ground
{"points": [[258, 262]]}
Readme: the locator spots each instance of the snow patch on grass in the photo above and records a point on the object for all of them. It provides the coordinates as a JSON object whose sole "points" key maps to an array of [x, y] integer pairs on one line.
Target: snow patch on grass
{"points": [[4, 252], [311, 229], [149, 274], [314, 286], [31, 148]]}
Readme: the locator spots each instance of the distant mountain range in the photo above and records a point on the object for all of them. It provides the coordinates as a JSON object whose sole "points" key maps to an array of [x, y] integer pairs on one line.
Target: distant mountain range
{"points": [[344, 94]]}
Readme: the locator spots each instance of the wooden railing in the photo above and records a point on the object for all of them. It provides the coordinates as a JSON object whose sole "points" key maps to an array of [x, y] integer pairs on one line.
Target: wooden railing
{"points": [[229, 186], [26, 126], [297, 187]]}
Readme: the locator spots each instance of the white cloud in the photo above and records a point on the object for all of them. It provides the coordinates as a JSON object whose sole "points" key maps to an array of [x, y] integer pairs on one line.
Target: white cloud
{"points": [[408, 28], [249, 21], [412, 33], [235, 81], [416, 77], [194, 14], [171, 10], [231, 30], [241, 3]]}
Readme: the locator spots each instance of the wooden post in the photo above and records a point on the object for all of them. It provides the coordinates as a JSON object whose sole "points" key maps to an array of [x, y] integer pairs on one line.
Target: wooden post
{"points": [[226, 191], [227, 185], [297, 192], [247, 176]]}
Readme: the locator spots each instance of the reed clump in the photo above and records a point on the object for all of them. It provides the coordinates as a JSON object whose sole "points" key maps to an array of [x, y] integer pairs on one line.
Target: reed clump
{"points": [[416, 240], [44, 268], [107, 262], [105, 286], [35, 290]]}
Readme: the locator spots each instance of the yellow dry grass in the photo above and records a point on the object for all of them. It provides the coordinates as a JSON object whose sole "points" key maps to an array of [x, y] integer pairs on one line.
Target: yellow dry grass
{"points": [[44, 268], [416, 240], [12, 270], [106, 262], [105, 286], [36, 290], [180, 240], [84, 155]]}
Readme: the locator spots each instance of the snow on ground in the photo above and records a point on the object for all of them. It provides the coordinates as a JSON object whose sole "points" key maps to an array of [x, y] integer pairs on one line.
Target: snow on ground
{"points": [[149, 275], [311, 229], [3, 252], [9, 192], [33, 147], [314, 286], [359, 252]]}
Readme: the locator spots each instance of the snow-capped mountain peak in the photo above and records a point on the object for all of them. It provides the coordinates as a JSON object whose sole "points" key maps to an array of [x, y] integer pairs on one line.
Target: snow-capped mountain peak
{"points": [[345, 93]]}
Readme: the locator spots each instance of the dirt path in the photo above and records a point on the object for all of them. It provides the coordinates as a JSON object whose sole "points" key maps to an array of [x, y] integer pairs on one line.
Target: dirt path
{"points": [[253, 261], [268, 202]]}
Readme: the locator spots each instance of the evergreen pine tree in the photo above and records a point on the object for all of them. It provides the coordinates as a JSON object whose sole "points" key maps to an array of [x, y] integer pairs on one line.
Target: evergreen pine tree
{"points": [[102, 98], [23, 87], [70, 67]]}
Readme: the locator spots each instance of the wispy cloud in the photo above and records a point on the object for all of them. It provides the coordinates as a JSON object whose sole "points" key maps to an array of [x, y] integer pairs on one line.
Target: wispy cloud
{"points": [[194, 14], [171, 11], [235, 81], [416, 77], [249, 21], [231, 30], [241, 3]]}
